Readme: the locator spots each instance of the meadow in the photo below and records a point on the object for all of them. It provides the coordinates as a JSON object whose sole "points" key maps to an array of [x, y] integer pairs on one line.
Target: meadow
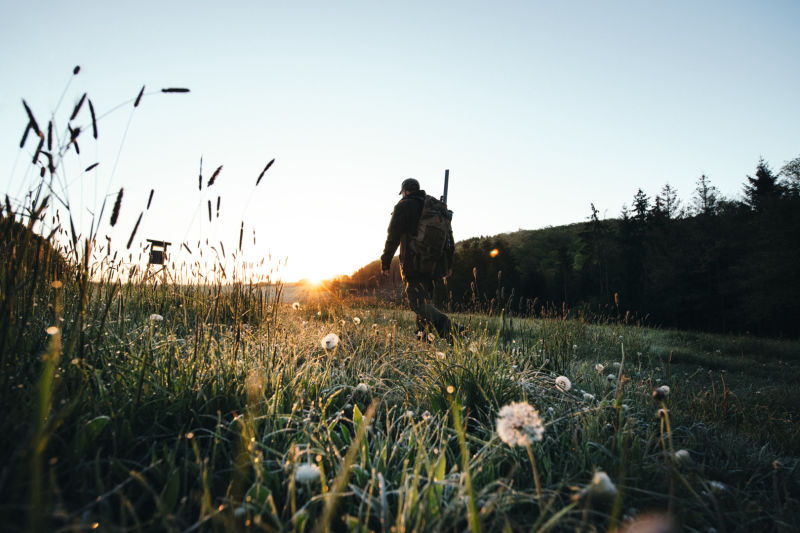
{"points": [[140, 405], [181, 400]]}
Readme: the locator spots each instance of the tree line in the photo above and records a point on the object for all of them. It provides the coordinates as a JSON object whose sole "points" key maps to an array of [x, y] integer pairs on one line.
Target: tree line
{"points": [[715, 264]]}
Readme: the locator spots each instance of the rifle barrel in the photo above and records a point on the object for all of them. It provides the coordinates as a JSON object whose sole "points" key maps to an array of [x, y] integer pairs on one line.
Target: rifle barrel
{"points": [[446, 183]]}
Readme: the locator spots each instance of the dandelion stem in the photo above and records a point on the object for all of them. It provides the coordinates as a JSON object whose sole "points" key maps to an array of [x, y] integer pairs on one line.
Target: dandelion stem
{"points": [[536, 480]]}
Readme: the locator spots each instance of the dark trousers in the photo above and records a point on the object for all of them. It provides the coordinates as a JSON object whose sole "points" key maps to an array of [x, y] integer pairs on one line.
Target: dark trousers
{"points": [[420, 298]]}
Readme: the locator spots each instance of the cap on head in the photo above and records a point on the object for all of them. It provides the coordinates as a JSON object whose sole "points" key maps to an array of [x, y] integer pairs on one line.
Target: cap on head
{"points": [[410, 185]]}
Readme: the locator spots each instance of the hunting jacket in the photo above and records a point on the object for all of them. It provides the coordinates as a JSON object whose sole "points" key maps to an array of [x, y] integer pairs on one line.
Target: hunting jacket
{"points": [[402, 227]]}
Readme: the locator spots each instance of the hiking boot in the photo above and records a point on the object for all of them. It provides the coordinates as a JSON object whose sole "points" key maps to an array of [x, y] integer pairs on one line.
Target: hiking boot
{"points": [[424, 336]]}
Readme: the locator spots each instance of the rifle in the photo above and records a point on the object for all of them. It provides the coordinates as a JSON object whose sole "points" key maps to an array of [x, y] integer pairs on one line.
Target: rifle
{"points": [[446, 182], [444, 196]]}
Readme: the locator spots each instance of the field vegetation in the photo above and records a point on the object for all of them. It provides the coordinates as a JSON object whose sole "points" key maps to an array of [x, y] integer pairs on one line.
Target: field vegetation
{"points": [[153, 402]]}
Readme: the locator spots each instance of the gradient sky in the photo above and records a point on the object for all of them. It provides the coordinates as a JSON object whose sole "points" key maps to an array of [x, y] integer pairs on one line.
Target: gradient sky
{"points": [[537, 108]]}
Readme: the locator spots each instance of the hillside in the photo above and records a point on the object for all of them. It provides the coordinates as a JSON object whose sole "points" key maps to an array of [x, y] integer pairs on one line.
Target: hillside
{"points": [[727, 267]]}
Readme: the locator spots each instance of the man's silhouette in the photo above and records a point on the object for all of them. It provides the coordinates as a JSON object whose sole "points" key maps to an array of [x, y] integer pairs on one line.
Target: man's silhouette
{"points": [[419, 286]]}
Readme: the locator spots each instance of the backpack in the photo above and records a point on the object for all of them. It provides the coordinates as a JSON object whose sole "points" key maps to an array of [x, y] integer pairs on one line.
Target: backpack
{"points": [[431, 249]]}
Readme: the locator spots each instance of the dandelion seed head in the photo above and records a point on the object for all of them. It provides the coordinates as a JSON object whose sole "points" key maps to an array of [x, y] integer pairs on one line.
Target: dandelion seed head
{"points": [[717, 486], [156, 317], [682, 457], [588, 396], [52, 330], [602, 485], [330, 341], [661, 393], [296, 306], [362, 388], [563, 383], [519, 424], [599, 368], [356, 320], [306, 473]]}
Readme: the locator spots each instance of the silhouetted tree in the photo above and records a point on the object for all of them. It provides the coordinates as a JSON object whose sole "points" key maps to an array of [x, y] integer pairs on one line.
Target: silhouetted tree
{"points": [[668, 203], [641, 206], [762, 189], [791, 177], [705, 201]]}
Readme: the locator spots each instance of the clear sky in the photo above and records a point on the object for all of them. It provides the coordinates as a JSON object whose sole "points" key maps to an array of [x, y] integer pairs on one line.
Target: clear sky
{"points": [[537, 108]]}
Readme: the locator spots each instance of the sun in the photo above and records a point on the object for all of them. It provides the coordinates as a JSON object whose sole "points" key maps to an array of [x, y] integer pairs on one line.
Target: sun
{"points": [[314, 281]]}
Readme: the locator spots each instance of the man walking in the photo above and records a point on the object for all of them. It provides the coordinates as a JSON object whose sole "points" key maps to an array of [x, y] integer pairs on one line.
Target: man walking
{"points": [[425, 256]]}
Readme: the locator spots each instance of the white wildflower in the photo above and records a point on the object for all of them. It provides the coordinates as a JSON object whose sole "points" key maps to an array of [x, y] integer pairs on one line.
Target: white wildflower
{"points": [[356, 320], [519, 424], [156, 318], [661, 393], [306, 473], [682, 458], [563, 383], [599, 367], [716, 486], [602, 485], [330, 341]]}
